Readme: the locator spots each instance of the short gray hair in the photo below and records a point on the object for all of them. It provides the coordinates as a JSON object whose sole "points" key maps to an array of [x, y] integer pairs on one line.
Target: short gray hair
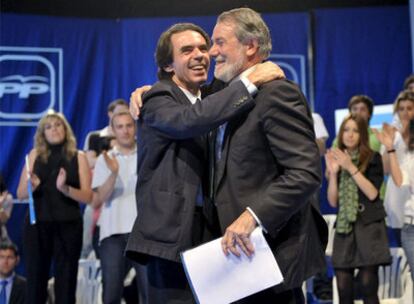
{"points": [[249, 25]]}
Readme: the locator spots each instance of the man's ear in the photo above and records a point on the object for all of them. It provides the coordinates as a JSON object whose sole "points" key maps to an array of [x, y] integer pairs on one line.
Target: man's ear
{"points": [[168, 68], [252, 47]]}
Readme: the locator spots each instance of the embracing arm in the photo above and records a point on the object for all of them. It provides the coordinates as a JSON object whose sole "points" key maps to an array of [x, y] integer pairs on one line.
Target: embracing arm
{"points": [[179, 120]]}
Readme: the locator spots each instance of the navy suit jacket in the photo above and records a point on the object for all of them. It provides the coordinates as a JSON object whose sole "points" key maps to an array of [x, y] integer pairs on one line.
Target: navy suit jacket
{"points": [[270, 163]]}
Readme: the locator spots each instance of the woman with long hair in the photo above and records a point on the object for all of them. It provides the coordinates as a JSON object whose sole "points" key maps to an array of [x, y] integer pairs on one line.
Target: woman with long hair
{"points": [[402, 173], [355, 175], [60, 179], [395, 196]]}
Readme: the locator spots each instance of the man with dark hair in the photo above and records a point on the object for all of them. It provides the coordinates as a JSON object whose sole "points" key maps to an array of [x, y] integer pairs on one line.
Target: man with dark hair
{"points": [[172, 157], [12, 286], [361, 105]]}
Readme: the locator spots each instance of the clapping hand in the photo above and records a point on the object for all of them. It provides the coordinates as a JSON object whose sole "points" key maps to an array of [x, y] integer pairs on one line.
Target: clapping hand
{"points": [[331, 163], [111, 162], [61, 182], [386, 136]]}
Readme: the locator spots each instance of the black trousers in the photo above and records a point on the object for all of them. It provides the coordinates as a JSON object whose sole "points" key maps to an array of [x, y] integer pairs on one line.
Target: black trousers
{"points": [[47, 242]]}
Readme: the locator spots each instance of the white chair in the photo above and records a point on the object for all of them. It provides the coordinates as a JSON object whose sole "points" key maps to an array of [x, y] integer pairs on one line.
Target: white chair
{"points": [[89, 287], [330, 221], [395, 283]]}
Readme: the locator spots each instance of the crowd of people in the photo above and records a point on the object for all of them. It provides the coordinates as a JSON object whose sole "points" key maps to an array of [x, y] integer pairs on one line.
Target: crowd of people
{"points": [[206, 161]]}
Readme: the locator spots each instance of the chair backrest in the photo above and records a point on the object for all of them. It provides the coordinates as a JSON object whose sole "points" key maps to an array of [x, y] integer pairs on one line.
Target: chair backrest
{"points": [[89, 281], [391, 277], [330, 221]]}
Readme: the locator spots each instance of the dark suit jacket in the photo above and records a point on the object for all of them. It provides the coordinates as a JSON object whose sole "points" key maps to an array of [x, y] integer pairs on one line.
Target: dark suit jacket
{"points": [[18, 292], [270, 163], [171, 163]]}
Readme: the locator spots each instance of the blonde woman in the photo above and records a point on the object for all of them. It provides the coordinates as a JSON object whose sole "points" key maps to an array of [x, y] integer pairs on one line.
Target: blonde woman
{"points": [[60, 179]]}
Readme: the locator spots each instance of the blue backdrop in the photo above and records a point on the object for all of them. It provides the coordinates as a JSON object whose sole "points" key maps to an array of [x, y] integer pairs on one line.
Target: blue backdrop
{"points": [[78, 66]]}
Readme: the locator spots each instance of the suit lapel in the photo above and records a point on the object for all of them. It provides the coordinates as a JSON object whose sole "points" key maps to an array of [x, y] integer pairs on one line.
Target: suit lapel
{"points": [[14, 290], [220, 168]]}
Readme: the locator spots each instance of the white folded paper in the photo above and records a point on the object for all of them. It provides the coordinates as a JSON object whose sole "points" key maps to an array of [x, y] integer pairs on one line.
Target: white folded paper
{"points": [[216, 279]]}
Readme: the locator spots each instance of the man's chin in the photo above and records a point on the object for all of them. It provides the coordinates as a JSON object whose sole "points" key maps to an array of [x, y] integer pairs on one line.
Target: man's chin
{"points": [[200, 80]]}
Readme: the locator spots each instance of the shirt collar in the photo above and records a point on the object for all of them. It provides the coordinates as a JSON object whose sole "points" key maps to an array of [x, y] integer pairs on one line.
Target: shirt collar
{"points": [[193, 98], [245, 73], [8, 279], [116, 151]]}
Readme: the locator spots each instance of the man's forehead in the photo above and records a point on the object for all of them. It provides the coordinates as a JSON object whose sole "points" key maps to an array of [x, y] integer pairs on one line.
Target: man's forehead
{"points": [[359, 105], [187, 37], [7, 252], [122, 118], [223, 28]]}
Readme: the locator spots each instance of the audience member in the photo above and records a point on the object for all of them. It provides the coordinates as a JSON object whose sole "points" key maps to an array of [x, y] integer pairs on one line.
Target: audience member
{"points": [[114, 182], [394, 196], [99, 140], [6, 206], [409, 83], [402, 173], [355, 175], [60, 179], [12, 286], [363, 106], [96, 142], [321, 133]]}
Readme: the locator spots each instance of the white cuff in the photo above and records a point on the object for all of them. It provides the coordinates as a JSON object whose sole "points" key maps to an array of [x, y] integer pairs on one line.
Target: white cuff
{"points": [[251, 88], [256, 218]]}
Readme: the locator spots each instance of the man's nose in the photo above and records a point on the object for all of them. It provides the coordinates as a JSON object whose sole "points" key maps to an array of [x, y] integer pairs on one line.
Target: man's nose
{"points": [[198, 53], [213, 51]]}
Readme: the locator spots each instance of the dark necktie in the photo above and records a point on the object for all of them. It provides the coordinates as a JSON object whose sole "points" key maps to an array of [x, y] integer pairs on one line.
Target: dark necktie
{"points": [[219, 141], [199, 198], [3, 296]]}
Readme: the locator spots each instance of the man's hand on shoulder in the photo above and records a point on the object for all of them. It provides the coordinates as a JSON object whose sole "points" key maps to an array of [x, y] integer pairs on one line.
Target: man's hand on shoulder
{"points": [[265, 72], [135, 100]]}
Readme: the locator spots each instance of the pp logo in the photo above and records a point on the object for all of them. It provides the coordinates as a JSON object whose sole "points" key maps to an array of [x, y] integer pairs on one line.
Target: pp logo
{"points": [[23, 86], [30, 84]]}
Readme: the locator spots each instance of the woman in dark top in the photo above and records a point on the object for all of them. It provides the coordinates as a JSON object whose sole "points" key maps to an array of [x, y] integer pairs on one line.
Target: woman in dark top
{"points": [[60, 179], [355, 175]]}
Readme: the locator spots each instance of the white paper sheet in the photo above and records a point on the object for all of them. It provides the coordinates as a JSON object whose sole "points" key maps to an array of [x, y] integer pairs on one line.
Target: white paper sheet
{"points": [[217, 279]]}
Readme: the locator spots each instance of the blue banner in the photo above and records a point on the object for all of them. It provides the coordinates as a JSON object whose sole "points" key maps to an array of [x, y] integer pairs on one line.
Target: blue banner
{"points": [[78, 66]]}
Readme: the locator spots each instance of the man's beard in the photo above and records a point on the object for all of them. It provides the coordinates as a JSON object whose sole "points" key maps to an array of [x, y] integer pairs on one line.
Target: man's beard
{"points": [[229, 71]]}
